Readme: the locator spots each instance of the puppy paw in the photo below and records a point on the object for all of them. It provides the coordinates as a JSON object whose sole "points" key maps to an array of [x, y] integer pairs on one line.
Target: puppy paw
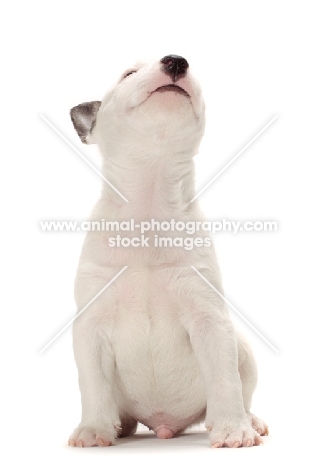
{"points": [[258, 425], [85, 436], [233, 435]]}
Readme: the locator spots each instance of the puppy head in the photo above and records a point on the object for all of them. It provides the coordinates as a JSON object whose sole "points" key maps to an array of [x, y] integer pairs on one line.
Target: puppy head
{"points": [[154, 107]]}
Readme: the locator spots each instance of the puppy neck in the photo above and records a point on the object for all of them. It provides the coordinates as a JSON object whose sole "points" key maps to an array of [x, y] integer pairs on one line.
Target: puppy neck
{"points": [[156, 186]]}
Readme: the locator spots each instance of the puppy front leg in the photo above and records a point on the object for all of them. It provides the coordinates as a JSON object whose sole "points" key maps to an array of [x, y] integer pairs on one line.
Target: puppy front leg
{"points": [[95, 362], [214, 343]]}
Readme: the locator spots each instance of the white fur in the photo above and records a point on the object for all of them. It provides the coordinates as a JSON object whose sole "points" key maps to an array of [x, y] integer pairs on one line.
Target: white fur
{"points": [[158, 345]]}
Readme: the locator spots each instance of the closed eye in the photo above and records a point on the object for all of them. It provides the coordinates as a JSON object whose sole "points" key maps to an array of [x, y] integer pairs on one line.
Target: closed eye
{"points": [[128, 73]]}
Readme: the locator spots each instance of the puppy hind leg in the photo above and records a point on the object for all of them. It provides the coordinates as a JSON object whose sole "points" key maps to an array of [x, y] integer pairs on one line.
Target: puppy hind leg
{"points": [[248, 374], [128, 426]]}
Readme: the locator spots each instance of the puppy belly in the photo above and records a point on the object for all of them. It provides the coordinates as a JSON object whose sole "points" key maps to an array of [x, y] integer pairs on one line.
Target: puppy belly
{"points": [[164, 394], [157, 375], [166, 425]]}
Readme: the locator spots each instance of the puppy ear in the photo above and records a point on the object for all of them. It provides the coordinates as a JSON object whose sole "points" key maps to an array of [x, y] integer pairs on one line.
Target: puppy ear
{"points": [[84, 117]]}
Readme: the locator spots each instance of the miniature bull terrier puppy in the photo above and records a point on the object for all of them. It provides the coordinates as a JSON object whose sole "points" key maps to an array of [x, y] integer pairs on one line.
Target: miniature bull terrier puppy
{"points": [[157, 346]]}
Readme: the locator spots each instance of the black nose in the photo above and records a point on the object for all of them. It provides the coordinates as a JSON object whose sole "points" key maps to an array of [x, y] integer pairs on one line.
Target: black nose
{"points": [[175, 66]]}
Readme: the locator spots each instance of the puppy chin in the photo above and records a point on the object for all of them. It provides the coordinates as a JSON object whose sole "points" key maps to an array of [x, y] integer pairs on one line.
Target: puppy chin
{"points": [[168, 94], [168, 106]]}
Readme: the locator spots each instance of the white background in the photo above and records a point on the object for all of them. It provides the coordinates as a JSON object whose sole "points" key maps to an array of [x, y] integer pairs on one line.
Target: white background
{"points": [[253, 60]]}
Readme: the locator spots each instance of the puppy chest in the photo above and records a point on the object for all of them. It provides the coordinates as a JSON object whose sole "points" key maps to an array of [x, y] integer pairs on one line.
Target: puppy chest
{"points": [[155, 364], [147, 333]]}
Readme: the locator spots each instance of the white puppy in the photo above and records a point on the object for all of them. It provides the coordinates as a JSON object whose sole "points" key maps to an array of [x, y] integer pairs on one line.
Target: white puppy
{"points": [[157, 346]]}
